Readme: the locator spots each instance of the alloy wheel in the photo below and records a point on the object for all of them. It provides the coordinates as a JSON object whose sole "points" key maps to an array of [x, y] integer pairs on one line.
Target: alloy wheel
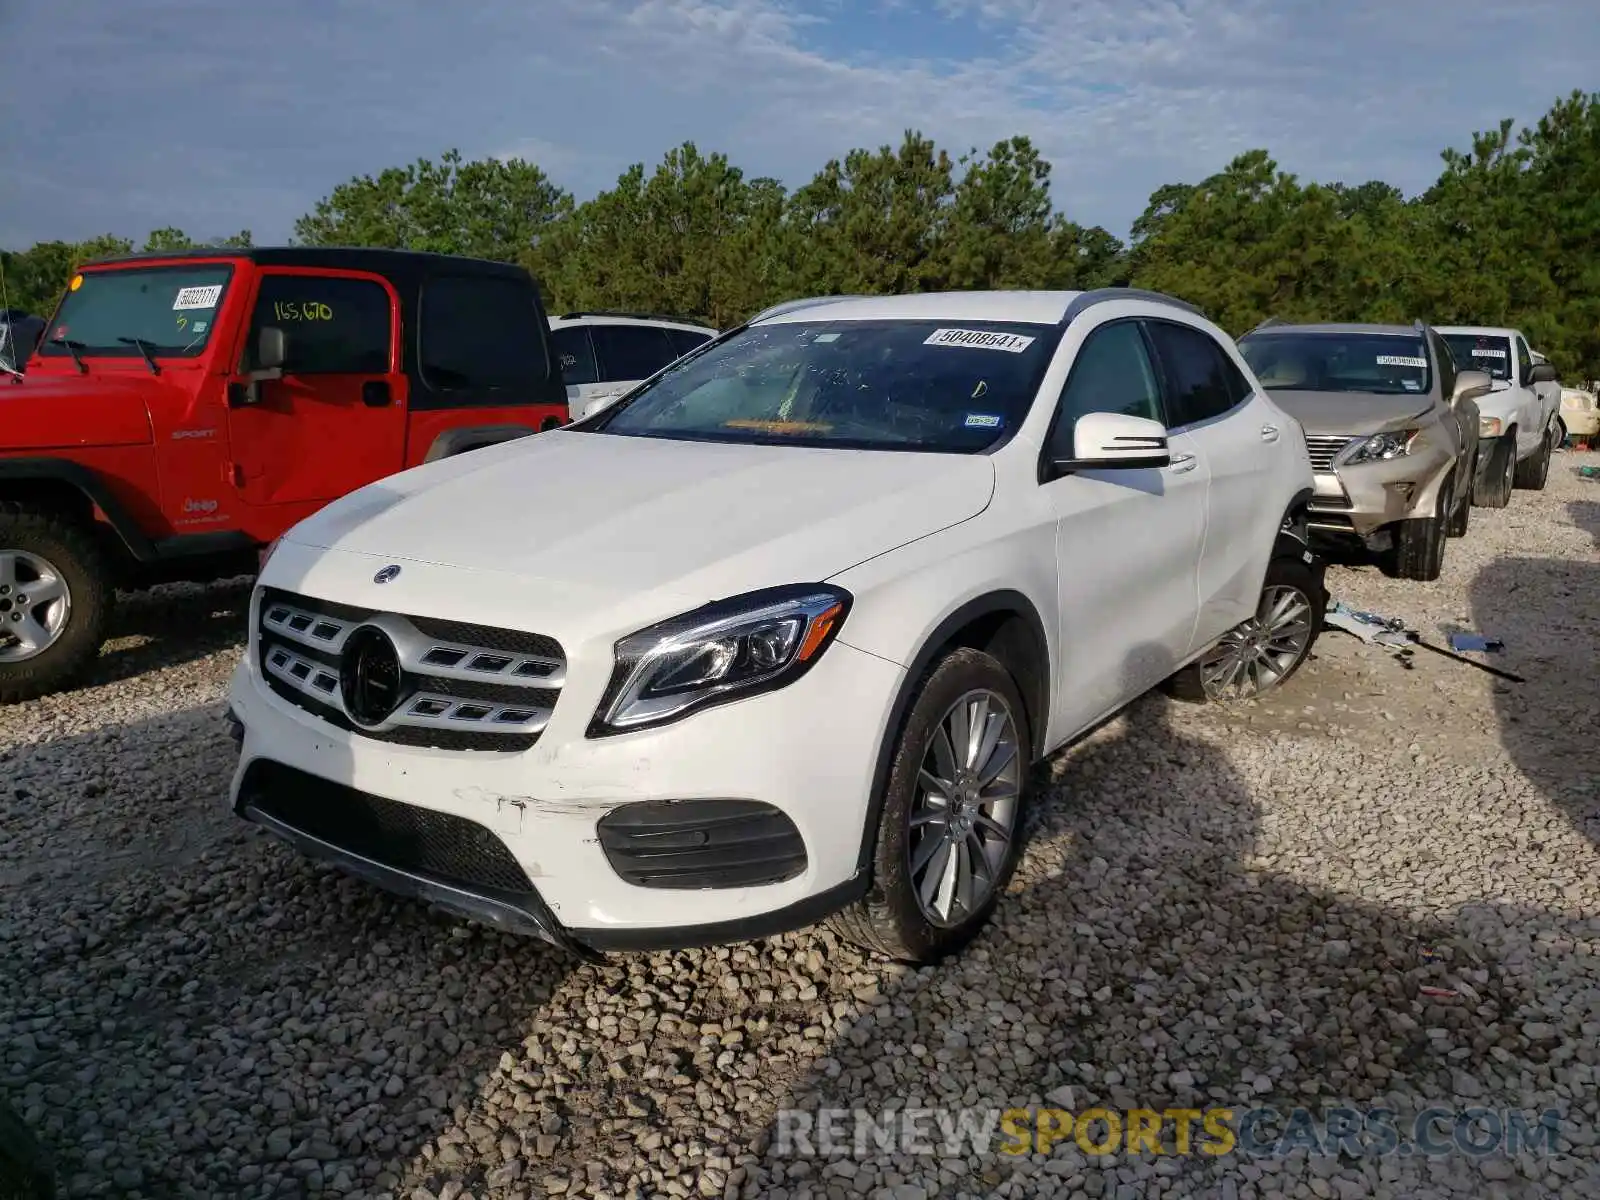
{"points": [[35, 604], [963, 820], [1260, 650]]}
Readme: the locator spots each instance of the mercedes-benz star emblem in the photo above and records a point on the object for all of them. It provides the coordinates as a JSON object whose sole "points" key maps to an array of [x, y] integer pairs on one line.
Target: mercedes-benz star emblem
{"points": [[369, 676], [385, 575]]}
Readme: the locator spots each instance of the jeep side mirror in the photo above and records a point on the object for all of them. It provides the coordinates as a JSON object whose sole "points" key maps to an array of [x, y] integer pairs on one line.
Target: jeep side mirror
{"points": [[1470, 385], [272, 349], [1543, 373], [1115, 441]]}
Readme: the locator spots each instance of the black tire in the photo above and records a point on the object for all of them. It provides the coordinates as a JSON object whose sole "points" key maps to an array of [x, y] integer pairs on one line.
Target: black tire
{"points": [[1419, 542], [25, 1169], [1188, 684], [1532, 471], [72, 549], [888, 920], [1493, 488], [1461, 515]]}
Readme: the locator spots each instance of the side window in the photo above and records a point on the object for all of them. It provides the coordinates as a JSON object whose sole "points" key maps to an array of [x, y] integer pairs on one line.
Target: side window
{"points": [[478, 333], [630, 352], [1112, 374], [685, 340], [575, 354], [1447, 366], [1197, 372], [1524, 360], [333, 325]]}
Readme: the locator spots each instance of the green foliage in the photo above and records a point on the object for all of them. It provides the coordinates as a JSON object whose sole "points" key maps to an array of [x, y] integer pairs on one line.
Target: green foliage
{"points": [[1508, 234]]}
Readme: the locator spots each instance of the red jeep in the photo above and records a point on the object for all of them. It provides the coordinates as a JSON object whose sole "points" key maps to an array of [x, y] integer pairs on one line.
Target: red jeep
{"points": [[181, 410]]}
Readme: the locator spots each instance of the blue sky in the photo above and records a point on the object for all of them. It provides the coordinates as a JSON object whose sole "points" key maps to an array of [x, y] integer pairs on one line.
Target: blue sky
{"points": [[214, 116]]}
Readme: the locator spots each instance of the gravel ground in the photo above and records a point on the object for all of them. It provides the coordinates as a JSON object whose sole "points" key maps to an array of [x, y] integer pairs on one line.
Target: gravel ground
{"points": [[1217, 907]]}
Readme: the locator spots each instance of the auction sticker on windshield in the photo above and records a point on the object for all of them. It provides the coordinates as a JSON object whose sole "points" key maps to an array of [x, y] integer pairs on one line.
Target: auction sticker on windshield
{"points": [[1487, 352], [198, 297], [1400, 360], [979, 339]]}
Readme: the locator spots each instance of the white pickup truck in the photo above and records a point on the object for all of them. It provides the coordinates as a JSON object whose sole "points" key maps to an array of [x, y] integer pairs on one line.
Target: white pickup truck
{"points": [[1519, 418]]}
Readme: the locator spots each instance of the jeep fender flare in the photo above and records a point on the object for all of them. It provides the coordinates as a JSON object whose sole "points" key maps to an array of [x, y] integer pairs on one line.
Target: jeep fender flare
{"points": [[473, 437], [87, 485], [1004, 603]]}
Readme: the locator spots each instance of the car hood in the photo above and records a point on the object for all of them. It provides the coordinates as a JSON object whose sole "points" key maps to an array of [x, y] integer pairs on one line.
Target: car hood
{"points": [[599, 517], [1351, 412], [49, 412]]}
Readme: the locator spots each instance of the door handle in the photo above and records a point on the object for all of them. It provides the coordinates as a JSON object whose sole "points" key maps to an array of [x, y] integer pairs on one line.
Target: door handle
{"points": [[375, 393], [1269, 433], [1182, 462]]}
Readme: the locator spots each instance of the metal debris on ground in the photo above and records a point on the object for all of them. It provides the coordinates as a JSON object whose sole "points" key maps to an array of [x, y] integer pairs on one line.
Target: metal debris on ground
{"points": [[1475, 642], [1392, 634]]}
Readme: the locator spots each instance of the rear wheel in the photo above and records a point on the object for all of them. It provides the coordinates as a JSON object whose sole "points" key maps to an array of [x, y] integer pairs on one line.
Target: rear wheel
{"points": [[1535, 469], [1493, 489], [1265, 648], [55, 598], [949, 832]]}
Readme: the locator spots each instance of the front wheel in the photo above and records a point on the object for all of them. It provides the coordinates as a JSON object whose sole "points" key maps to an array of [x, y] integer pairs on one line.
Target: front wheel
{"points": [[1419, 541], [1264, 649], [55, 599], [1493, 488], [949, 832], [1461, 514], [1535, 469]]}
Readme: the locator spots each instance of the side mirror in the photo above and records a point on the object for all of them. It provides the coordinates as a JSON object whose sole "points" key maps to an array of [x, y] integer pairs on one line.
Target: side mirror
{"points": [[1543, 373], [1115, 441], [1470, 385], [272, 349]]}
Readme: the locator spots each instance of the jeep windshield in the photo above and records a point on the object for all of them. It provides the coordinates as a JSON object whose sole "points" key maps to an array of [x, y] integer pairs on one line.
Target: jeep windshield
{"points": [[1384, 364], [1480, 352], [108, 313], [954, 387]]}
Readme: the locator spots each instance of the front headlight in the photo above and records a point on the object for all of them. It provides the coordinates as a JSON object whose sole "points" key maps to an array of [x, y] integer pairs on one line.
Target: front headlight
{"points": [[1380, 447], [724, 651], [1488, 427]]}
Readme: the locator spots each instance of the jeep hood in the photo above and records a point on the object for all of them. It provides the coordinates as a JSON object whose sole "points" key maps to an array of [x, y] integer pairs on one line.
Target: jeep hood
{"points": [[1351, 412], [606, 517], [50, 412]]}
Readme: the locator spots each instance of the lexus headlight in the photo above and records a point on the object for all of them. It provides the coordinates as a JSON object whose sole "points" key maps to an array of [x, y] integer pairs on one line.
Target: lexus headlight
{"points": [[1381, 447], [1488, 427], [724, 651]]}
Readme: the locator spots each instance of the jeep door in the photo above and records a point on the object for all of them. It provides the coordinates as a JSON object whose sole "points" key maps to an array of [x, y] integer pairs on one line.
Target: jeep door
{"points": [[336, 419], [1128, 541]]}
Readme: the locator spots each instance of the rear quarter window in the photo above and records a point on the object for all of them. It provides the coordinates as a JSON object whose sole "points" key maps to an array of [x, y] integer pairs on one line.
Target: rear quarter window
{"points": [[479, 333]]}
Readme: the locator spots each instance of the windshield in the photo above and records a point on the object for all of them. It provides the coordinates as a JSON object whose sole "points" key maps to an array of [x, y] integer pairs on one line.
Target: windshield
{"points": [[879, 385], [170, 309], [1382, 363], [1480, 352]]}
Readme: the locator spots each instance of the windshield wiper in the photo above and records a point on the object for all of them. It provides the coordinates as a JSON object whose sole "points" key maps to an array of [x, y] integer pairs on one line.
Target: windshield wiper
{"points": [[144, 349], [72, 349]]}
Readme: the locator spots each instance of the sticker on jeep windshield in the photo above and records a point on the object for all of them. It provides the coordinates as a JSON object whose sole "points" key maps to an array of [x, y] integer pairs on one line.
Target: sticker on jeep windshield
{"points": [[979, 339], [1487, 352], [197, 297], [1400, 360]]}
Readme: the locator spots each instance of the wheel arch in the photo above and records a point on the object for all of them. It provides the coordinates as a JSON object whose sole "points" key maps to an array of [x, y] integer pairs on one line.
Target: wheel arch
{"points": [[1004, 623], [78, 491], [473, 437]]}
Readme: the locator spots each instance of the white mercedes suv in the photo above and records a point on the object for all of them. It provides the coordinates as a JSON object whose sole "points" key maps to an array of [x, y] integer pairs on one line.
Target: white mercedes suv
{"points": [[778, 636]]}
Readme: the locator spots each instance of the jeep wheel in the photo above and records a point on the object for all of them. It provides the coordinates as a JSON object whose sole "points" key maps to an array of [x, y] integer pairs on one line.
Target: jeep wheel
{"points": [[1493, 488], [55, 598], [949, 834], [1535, 469], [1419, 542], [1263, 650]]}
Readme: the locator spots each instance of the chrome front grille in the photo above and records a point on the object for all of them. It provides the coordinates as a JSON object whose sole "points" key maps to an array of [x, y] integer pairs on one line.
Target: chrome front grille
{"points": [[459, 686], [1324, 448]]}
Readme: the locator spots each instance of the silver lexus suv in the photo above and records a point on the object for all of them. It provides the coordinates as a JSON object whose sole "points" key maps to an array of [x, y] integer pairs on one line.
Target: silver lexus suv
{"points": [[1392, 427]]}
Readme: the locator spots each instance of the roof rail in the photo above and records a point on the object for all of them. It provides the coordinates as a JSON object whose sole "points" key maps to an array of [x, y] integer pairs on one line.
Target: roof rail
{"points": [[636, 316], [1095, 296], [789, 306]]}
